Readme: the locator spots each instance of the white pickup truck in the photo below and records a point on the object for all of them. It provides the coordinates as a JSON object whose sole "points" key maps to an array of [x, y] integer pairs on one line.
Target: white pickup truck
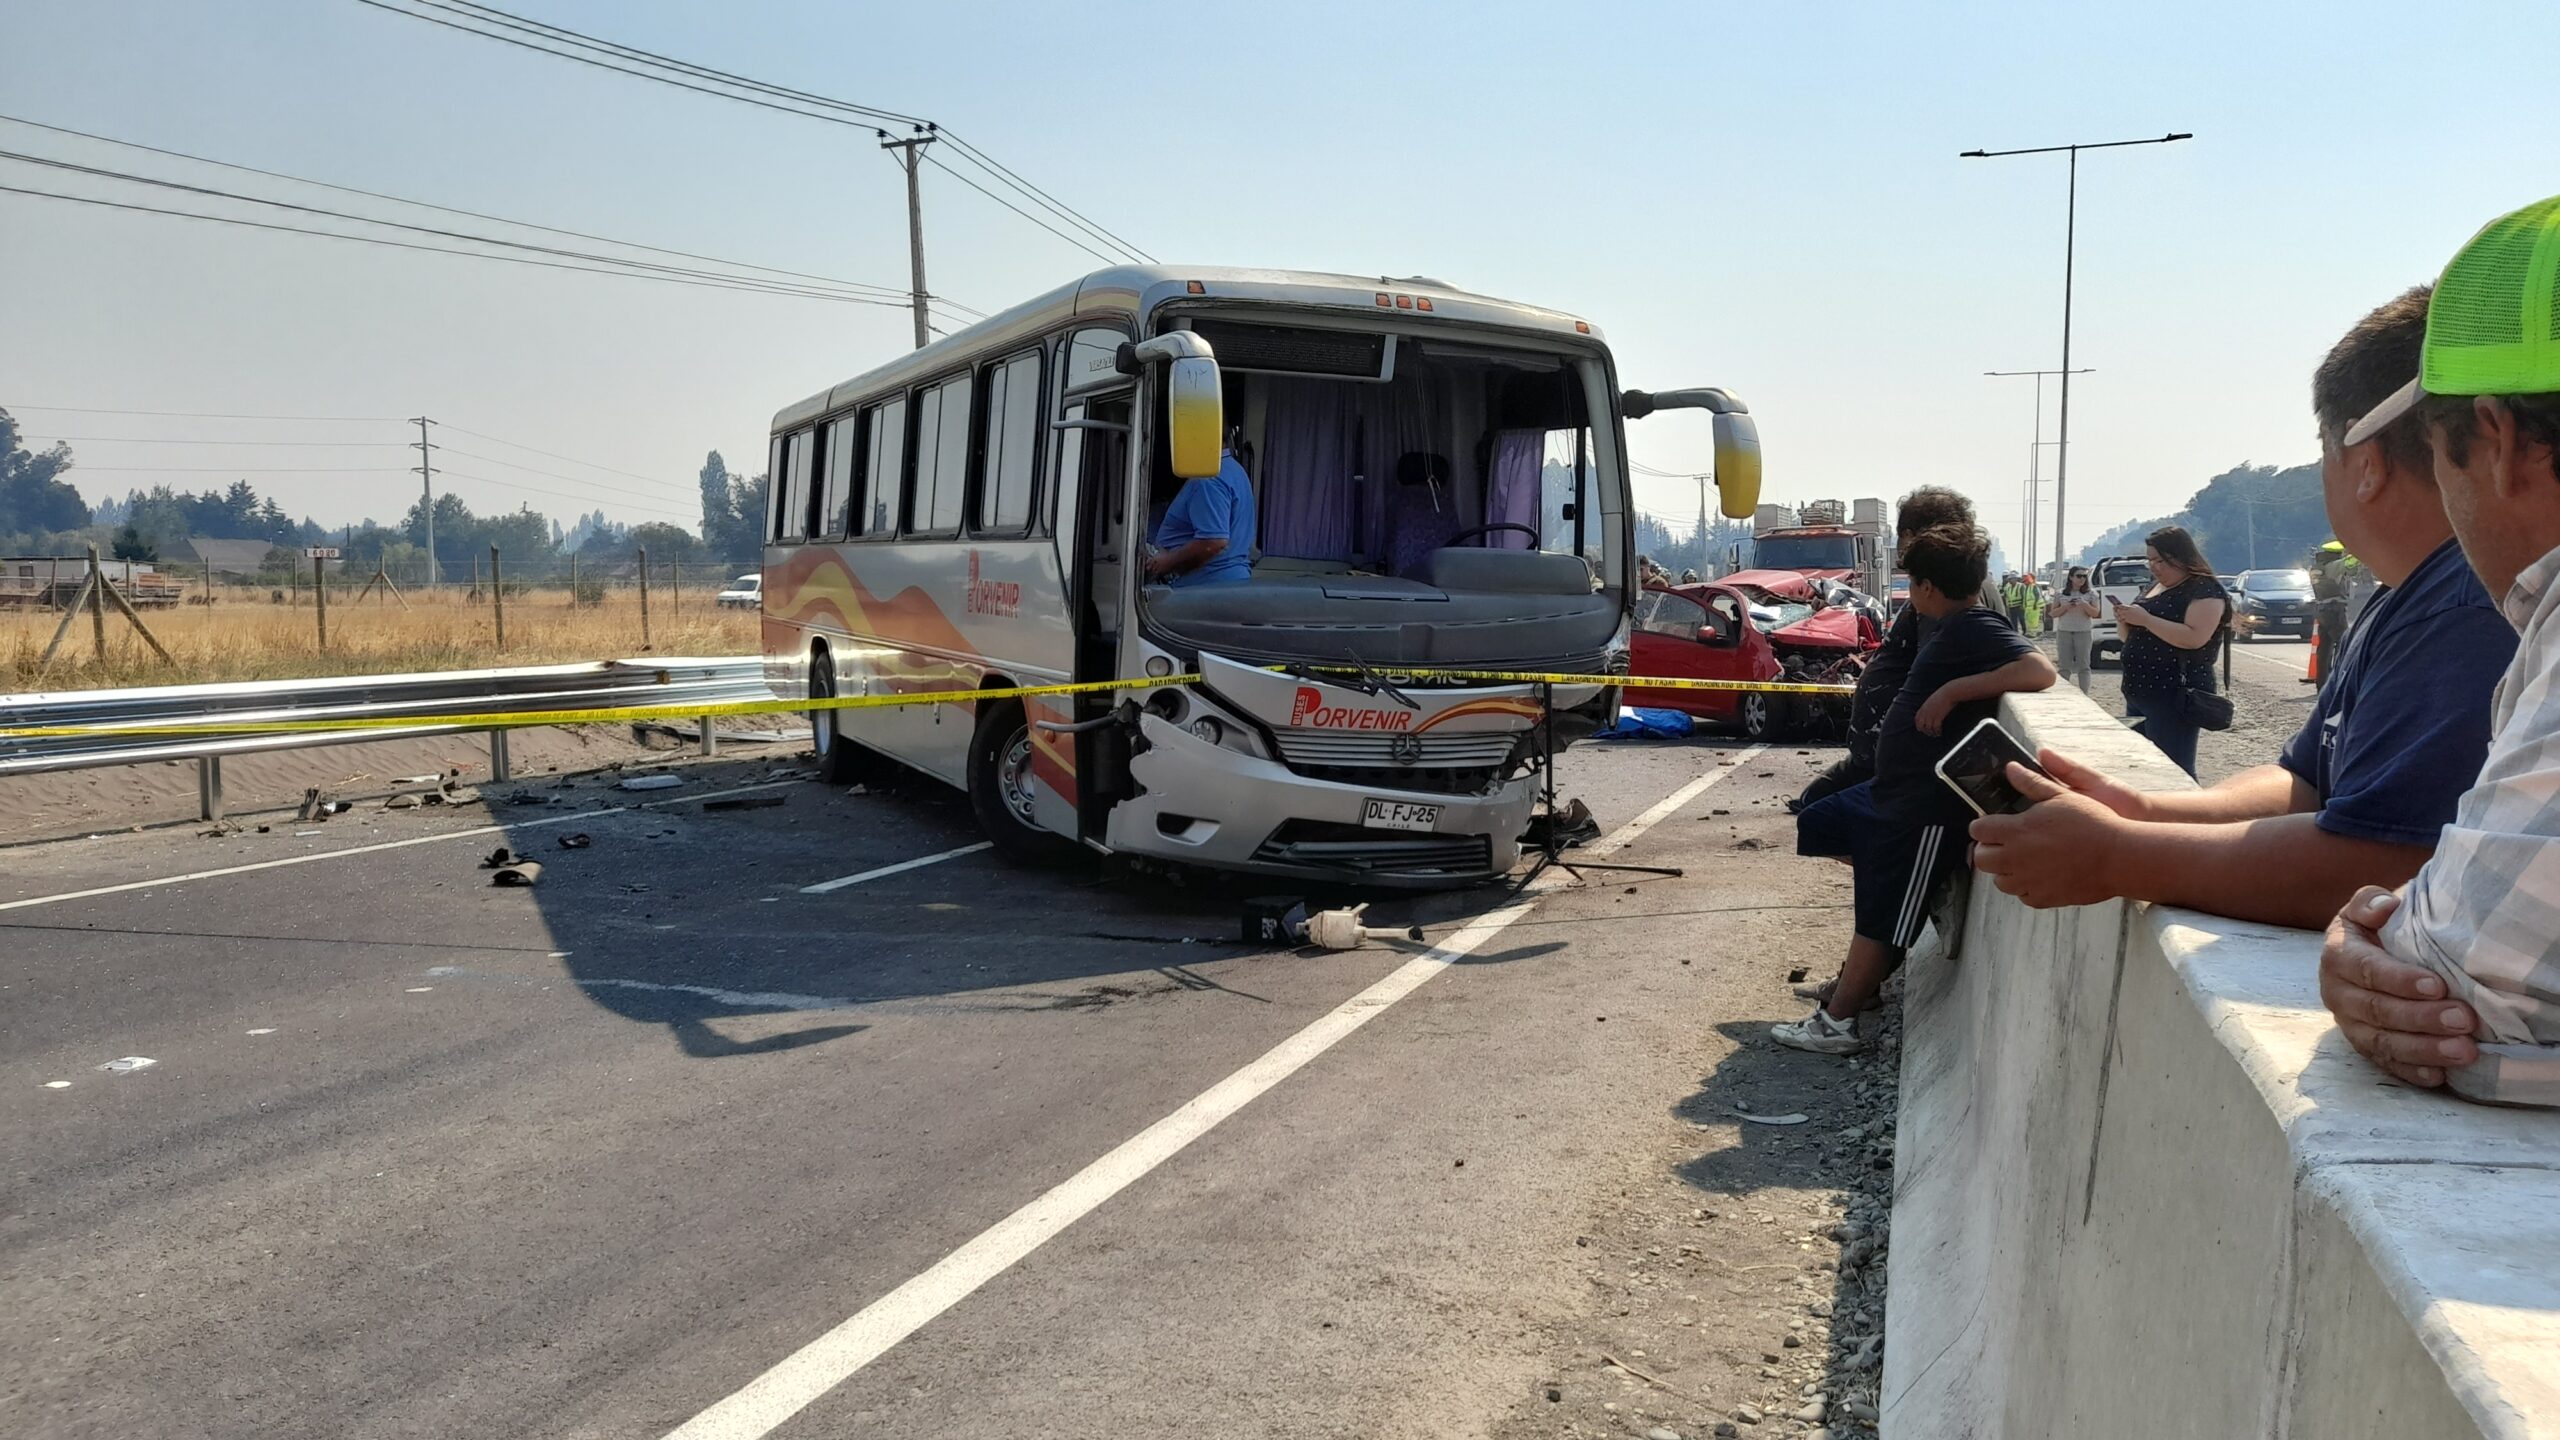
{"points": [[2119, 577]]}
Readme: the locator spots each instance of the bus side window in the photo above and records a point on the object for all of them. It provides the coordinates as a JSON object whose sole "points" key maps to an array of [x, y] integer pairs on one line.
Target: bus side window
{"points": [[796, 455], [885, 455], [941, 473], [835, 503], [1006, 449]]}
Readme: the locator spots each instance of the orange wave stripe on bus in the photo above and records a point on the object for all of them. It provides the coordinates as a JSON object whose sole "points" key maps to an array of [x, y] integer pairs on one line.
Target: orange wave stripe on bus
{"points": [[1490, 705], [816, 587]]}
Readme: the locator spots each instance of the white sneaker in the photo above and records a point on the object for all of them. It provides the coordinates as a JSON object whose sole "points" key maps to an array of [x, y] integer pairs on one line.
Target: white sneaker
{"points": [[1819, 1033]]}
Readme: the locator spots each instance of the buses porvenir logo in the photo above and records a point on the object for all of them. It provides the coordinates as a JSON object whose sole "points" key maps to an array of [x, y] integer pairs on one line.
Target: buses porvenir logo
{"points": [[992, 597], [1309, 710]]}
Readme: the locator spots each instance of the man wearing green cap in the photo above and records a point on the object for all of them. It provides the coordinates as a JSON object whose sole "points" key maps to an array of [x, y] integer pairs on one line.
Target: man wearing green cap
{"points": [[2457, 980]]}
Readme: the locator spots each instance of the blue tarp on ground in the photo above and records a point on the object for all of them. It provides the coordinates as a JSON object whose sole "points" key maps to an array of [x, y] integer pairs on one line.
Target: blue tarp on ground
{"points": [[1639, 724]]}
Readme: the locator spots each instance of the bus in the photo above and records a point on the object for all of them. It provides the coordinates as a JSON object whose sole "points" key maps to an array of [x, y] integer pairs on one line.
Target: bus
{"points": [[1440, 483]]}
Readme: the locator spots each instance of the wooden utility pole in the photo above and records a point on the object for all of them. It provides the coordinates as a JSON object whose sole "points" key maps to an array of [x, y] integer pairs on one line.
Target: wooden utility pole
{"points": [[911, 153], [644, 597], [498, 596]]}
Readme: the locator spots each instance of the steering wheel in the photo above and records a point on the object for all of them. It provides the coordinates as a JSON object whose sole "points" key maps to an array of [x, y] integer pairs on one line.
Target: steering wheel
{"points": [[1474, 530]]}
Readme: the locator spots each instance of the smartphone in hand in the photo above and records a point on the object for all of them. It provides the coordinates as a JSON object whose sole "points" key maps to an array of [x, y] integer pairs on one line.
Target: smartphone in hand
{"points": [[1978, 769]]}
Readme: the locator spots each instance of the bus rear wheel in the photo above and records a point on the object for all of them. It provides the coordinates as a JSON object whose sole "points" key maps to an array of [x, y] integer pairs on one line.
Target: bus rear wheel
{"points": [[1001, 786], [839, 759]]}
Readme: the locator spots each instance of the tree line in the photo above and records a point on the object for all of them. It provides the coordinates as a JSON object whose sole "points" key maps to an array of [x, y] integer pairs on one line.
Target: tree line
{"points": [[41, 513]]}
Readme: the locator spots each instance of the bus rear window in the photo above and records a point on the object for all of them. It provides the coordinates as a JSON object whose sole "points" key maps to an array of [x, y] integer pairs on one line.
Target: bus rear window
{"points": [[791, 520]]}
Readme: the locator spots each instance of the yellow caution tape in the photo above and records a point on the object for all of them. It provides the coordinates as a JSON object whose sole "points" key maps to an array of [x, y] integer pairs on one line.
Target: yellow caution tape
{"points": [[624, 714]]}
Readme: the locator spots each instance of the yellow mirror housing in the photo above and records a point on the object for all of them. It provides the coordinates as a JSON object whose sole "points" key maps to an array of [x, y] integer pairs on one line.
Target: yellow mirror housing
{"points": [[1737, 465], [1195, 421]]}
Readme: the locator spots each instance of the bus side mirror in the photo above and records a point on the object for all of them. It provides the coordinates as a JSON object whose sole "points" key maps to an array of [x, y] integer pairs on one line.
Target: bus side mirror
{"points": [[1194, 415], [1737, 465]]}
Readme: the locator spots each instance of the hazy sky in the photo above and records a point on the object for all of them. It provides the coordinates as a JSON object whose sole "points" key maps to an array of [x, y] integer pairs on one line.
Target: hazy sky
{"points": [[1766, 198]]}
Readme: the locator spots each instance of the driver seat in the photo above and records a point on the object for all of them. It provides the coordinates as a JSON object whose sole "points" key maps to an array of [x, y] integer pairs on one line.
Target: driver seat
{"points": [[1422, 512]]}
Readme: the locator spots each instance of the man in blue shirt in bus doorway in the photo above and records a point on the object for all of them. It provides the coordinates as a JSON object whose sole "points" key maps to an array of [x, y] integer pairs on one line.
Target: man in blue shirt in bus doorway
{"points": [[1208, 532]]}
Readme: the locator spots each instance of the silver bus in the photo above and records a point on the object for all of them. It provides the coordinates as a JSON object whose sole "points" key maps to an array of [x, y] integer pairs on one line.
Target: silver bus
{"points": [[1440, 482]]}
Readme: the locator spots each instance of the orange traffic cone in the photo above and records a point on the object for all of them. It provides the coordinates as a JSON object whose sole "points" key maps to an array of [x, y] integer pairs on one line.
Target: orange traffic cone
{"points": [[2311, 674]]}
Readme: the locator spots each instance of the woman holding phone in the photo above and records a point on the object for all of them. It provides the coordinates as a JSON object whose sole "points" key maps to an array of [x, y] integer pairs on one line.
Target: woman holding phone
{"points": [[2169, 637], [2076, 612]]}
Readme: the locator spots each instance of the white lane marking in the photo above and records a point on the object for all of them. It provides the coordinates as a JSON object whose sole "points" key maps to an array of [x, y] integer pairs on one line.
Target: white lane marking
{"points": [[385, 845], [828, 1361], [2293, 665], [824, 886]]}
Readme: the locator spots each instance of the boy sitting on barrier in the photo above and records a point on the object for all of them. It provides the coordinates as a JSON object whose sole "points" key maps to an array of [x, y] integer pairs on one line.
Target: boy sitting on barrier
{"points": [[1899, 831]]}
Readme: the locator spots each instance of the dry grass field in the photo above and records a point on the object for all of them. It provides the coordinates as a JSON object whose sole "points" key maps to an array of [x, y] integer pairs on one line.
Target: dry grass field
{"points": [[254, 639]]}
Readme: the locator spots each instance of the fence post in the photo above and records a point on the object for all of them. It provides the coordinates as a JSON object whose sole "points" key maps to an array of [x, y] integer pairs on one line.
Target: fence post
{"points": [[500, 768], [98, 602], [644, 597], [208, 582], [53, 585], [573, 579], [293, 578], [320, 596], [498, 597], [675, 588]]}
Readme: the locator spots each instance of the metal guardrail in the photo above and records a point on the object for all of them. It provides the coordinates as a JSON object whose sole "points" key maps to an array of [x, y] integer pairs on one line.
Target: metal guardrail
{"points": [[524, 691]]}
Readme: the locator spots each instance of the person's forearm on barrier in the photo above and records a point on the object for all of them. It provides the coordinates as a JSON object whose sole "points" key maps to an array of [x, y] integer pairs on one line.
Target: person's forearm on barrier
{"points": [[2071, 849], [2023, 675], [2259, 793]]}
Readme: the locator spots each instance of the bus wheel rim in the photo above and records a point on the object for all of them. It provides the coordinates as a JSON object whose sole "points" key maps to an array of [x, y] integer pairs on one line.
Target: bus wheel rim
{"points": [[1013, 775]]}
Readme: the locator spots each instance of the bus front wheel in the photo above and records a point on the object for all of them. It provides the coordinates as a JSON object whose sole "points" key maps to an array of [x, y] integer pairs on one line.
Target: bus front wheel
{"points": [[1000, 786]]}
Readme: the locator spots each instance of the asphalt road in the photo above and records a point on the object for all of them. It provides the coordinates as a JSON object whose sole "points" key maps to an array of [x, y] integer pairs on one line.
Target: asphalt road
{"points": [[417, 1156]]}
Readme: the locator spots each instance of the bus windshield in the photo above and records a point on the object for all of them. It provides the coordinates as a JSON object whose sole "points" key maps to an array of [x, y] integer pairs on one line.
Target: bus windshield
{"points": [[1806, 552], [1420, 498]]}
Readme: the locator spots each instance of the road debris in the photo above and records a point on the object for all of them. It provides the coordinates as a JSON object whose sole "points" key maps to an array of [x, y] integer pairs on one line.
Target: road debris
{"points": [[578, 841], [651, 782], [520, 875], [128, 1064], [1790, 1119]]}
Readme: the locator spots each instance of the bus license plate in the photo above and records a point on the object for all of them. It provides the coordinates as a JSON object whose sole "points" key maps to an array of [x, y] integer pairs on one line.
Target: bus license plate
{"points": [[1400, 815]]}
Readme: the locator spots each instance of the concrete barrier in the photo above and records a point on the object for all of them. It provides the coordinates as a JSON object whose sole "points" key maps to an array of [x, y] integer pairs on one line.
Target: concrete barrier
{"points": [[2143, 1188]]}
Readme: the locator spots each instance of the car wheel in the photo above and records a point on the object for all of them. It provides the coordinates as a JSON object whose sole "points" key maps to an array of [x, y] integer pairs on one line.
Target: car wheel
{"points": [[1759, 715], [839, 759], [1000, 786]]}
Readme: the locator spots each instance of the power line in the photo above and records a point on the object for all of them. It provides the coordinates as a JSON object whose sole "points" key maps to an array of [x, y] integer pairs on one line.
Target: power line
{"points": [[627, 274], [471, 19], [626, 503], [198, 414], [449, 209], [554, 474], [550, 454], [262, 444], [648, 268], [544, 29], [1025, 214], [242, 470]]}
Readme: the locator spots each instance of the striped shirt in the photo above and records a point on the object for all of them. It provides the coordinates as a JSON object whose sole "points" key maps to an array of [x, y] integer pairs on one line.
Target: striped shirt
{"points": [[2484, 912]]}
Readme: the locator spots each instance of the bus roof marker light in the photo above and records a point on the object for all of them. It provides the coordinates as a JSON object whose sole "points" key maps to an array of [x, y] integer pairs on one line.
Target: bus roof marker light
{"points": [[1194, 287], [1404, 302], [1422, 302], [1581, 327], [1384, 300]]}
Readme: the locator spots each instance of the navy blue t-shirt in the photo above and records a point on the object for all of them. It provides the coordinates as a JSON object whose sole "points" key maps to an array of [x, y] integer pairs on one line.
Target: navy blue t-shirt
{"points": [[2402, 728], [1969, 642]]}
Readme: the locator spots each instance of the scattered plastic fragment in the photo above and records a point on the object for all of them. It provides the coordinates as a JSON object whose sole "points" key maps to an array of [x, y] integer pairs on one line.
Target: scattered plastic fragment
{"points": [[57, 1084], [1768, 1119], [128, 1064], [520, 875], [267, 1030], [652, 782], [579, 841]]}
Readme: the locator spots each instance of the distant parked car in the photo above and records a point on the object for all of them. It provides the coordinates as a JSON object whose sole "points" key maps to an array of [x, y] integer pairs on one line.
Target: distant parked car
{"points": [[2120, 578], [746, 592], [2266, 601]]}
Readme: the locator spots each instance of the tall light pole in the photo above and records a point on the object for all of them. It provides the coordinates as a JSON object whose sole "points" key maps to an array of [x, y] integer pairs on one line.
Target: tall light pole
{"points": [[2070, 238], [2035, 456]]}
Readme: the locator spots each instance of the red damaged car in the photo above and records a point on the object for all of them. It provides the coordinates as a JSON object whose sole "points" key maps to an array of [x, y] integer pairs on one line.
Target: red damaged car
{"points": [[1752, 625]]}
